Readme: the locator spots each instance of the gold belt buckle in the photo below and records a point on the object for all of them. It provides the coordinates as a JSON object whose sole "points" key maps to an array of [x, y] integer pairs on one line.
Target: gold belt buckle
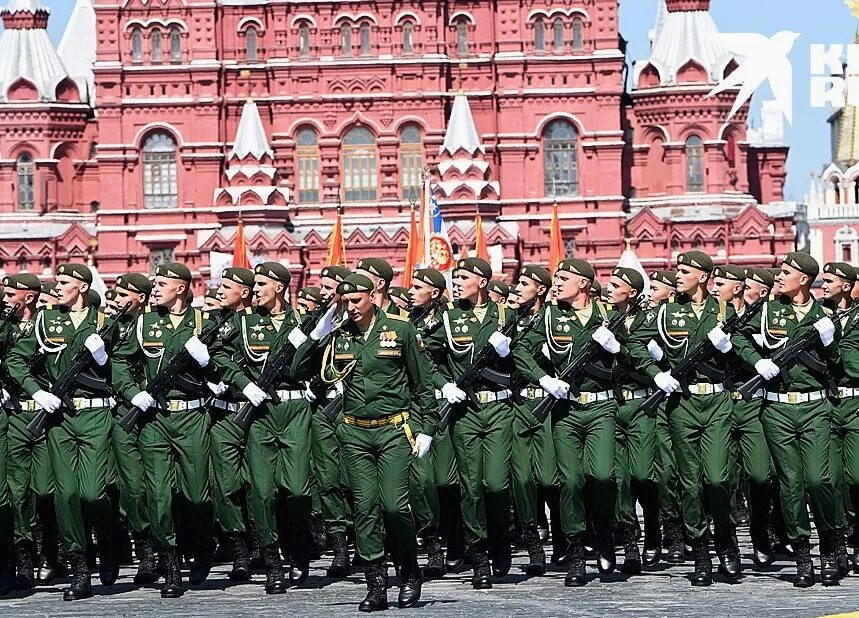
{"points": [[173, 405], [793, 397], [701, 388], [842, 392], [483, 397]]}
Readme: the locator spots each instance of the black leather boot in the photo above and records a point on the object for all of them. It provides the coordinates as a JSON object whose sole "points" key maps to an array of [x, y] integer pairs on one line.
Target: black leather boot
{"points": [[828, 567], [703, 575], [411, 580], [631, 555], [172, 576], [842, 561], [502, 558], [80, 588], [24, 563], [536, 556], [202, 563], [377, 594], [674, 537], [146, 560], [340, 564], [299, 567], [275, 579], [241, 571], [108, 563], [729, 554], [576, 562], [435, 557], [480, 563], [46, 573], [804, 567], [606, 557], [7, 569]]}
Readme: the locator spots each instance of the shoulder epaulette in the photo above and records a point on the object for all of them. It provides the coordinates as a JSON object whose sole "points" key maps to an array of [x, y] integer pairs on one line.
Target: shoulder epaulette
{"points": [[249, 310], [397, 316], [148, 309], [205, 315], [451, 306], [48, 307]]}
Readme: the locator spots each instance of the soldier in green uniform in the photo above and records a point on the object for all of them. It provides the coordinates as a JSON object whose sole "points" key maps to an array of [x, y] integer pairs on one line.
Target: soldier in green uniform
{"points": [[400, 298], [796, 415], [498, 292], [174, 431], [211, 302], [79, 432], [278, 442], [381, 274], [229, 473], [376, 355], [47, 295], [308, 298]]}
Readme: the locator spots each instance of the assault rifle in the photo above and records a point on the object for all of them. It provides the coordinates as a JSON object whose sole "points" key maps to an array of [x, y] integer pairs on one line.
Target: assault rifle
{"points": [[688, 365], [70, 376]]}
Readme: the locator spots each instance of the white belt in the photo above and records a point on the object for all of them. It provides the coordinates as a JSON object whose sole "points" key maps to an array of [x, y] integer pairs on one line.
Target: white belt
{"points": [[758, 394], [225, 405], [705, 388], [845, 393], [82, 403], [796, 397], [484, 396], [290, 395], [591, 397], [639, 394], [180, 405]]}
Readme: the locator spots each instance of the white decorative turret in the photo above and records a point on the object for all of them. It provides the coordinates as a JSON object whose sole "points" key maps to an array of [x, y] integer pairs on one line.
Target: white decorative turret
{"points": [[77, 48]]}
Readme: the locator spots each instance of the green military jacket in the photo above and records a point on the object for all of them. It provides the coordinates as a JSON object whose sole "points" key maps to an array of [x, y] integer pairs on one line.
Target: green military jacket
{"points": [[847, 337], [383, 373], [44, 353], [15, 329], [635, 367]]}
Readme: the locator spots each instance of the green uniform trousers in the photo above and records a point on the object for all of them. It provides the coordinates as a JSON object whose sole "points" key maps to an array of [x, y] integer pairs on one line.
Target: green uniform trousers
{"points": [[665, 470], [328, 469], [844, 452], [377, 463], [634, 456], [584, 447], [532, 461], [482, 437], [29, 473], [444, 461], [423, 496], [749, 450], [278, 458], [129, 477], [700, 427], [229, 475], [174, 447], [7, 520], [79, 448], [798, 436]]}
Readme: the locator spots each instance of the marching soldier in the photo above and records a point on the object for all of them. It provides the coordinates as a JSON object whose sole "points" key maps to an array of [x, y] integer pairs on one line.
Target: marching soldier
{"points": [[47, 295], [376, 356], [498, 292], [400, 298], [308, 298], [381, 274], [211, 302], [79, 435]]}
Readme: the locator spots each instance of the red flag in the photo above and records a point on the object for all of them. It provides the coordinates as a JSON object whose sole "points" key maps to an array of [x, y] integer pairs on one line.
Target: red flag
{"points": [[556, 242], [240, 249], [413, 251], [337, 244], [480, 249]]}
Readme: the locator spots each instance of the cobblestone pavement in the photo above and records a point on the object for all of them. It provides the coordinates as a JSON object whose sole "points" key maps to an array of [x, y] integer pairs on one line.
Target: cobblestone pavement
{"points": [[660, 592]]}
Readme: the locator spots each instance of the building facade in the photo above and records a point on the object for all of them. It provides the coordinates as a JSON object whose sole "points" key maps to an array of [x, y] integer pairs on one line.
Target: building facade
{"points": [[156, 124]]}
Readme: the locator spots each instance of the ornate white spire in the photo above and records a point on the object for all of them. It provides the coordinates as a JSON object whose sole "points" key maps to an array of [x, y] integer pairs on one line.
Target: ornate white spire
{"points": [[77, 49], [461, 133], [251, 140]]}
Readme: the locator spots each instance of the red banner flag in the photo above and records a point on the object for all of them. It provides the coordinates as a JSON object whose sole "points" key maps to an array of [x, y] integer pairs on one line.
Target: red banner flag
{"points": [[240, 249], [556, 242]]}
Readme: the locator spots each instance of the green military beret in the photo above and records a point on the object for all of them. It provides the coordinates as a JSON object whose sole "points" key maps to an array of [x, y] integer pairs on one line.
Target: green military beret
{"points": [[729, 271], [475, 265], [94, 298], [377, 267], [23, 281], [803, 262], [761, 276], [629, 276], [338, 273], [274, 270], [841, 269], [432, 277], [596, 288], [174, 271], [499, 287], [310, 293], [401, 293], [110, 294], [49, 287], [775, 272], [242, 276], [211, 293], [665, 277], [696, 259], [134, 282], [578, 267], [536, 273], [81, 272], [355, 283]]}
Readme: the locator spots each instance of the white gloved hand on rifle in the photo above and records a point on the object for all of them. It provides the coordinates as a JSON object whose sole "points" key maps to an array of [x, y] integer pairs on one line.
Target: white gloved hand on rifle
{"points": [[198, 350]]}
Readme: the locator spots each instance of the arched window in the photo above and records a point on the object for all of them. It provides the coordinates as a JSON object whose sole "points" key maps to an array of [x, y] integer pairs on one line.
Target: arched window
{"points": [[251, 44], [578, 37], [408, 38], [307, 152], [359, 165], [136, 45], [411, 161], [694, 164], [539, 35], [560, 159], [155, 44], [365, 39], [26, 170], [175, 45], [346, 40], [558, 34], [462, 37], [160, 186], [304, 40]]}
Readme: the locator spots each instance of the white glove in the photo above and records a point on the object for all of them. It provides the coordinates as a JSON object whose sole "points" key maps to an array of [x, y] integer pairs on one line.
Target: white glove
{"points": [[759, 340], [95, 345], [606, 339], [453, 393], [198, 350], [767, 369], [720, 340], [326, 324], [501, 343], [217, 389], [47, 401], [666, 382], [309, 395], [422, 445], [654, 351], [143, 401], [254, 393], [296, 337], [826, 329], [555, 387]]}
